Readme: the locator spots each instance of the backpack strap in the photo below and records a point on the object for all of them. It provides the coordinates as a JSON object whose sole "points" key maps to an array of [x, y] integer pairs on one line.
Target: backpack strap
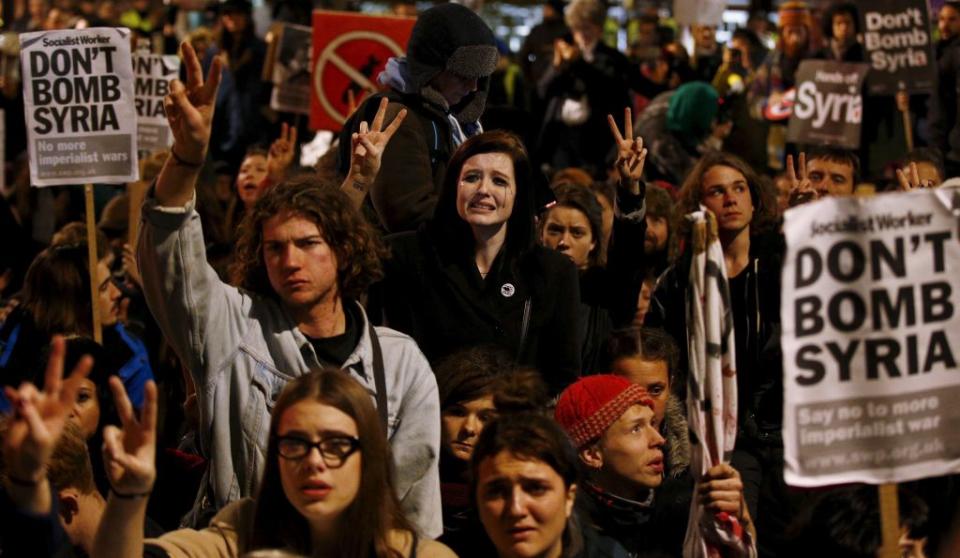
{"points": [[379, 380]]}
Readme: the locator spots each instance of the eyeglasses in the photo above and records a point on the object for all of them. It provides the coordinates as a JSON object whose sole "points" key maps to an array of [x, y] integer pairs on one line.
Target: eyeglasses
{"points": [[333, 450]]}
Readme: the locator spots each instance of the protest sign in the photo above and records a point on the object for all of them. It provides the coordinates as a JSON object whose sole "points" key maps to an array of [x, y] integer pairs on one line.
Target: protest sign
{"points": [[828, 107], [79, 106], [896, 36], [291, 69], [871, 288], [349, 52], [152, 74]]}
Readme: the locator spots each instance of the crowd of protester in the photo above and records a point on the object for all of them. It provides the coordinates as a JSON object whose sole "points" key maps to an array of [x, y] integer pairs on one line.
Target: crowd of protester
{"points": [[471, 307]]}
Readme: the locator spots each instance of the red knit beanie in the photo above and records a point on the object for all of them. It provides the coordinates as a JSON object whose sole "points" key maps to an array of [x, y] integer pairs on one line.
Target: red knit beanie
{"points": [[793, 13], [590, 405]]}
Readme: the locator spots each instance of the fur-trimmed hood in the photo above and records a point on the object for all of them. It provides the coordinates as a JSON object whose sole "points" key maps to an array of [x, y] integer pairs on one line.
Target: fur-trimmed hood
{"points": [[676, 452], [449, 37]]}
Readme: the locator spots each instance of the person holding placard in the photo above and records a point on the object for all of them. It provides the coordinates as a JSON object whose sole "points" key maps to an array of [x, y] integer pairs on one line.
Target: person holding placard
{"points": [[304, 255]]}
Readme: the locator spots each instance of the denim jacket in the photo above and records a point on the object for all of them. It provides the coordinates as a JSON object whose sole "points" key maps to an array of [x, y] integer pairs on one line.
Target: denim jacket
{"points": [[242, 349]]}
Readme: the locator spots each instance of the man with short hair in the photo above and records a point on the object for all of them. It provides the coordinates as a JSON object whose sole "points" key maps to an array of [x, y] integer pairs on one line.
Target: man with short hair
{"points": [[833, 172], [823, 172], [611, 422], [304, 255]]}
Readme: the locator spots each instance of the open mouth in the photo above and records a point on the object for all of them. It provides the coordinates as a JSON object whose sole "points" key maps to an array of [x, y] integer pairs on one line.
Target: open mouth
{"points": [[482, 206]]}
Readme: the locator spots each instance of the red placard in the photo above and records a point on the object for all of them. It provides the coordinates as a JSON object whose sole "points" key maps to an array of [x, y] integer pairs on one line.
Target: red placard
{"points": [[349, 52]]}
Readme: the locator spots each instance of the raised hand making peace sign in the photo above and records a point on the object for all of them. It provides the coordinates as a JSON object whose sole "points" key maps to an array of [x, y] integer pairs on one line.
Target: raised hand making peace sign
{"points": [[366, 151], [189, 108], [129, 452], [801, 189], [630, 152], [909, 178], [40, 416], [281, 153]]}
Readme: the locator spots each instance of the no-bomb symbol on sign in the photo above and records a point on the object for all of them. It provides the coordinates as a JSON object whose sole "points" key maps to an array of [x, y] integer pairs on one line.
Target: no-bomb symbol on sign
{"points": [[349, 52], [333, 91]]}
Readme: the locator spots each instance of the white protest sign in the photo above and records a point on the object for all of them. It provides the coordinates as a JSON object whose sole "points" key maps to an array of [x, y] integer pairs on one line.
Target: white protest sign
{"points": [[79, 106], [152, 74], [871, 293]]}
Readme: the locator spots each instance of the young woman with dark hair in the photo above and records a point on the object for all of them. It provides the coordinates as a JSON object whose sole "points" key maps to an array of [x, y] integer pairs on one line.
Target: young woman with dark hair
{"points": [[524, 481], [476, 386], [335, 501], [474, 274], [611, 273]]}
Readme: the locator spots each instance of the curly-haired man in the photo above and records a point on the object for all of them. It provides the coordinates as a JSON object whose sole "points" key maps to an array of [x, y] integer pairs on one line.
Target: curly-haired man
{"points": [[303, 257]]}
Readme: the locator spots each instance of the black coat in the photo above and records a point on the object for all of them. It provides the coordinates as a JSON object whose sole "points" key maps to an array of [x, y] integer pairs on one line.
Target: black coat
{"points": [[609, 295], [945, 103], [605, 85], [441, 301], [760, 367]]}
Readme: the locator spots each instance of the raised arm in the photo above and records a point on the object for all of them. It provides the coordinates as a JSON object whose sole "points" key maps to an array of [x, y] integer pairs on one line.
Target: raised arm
{"points": [[35, 427], [129, 455], [801, 189], [631, 154], [189, 108], [366, 152], [281, 153]]}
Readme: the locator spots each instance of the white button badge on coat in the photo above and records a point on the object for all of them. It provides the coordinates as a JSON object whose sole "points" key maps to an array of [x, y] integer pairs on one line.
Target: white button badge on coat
{"points": [[507, 290]]}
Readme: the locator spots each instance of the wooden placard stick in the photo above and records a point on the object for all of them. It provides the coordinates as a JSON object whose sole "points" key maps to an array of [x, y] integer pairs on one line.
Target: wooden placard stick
{"points": [[889, 520], [92, 263]]}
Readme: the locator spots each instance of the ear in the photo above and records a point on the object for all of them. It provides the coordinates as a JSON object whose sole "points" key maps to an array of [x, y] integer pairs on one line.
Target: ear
{"points": [[571, 500], [592, 456], [69, 505]]}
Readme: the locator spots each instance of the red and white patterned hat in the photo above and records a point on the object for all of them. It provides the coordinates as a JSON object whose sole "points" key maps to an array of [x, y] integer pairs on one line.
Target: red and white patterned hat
{"points": [[591, 404]]}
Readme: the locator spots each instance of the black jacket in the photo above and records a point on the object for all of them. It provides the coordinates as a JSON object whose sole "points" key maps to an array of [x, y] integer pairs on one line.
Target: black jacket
{"points": [[760, 367], [605, 84], [609, 295], [945, 102], [441, 301], [651, 529]]}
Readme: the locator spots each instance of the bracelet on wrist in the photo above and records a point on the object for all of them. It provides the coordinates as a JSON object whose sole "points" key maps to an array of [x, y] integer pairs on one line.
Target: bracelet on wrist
{"points": [[183, 162], [132, 496], [24, 482]]}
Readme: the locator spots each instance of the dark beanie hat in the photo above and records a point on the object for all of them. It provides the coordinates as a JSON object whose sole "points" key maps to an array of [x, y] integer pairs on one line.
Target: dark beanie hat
{"points": [[692, 108], [450, 37]]}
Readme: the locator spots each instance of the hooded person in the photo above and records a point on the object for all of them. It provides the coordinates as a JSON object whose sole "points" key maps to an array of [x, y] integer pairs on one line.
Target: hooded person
{"points": [[676, 126], [442, 82]]}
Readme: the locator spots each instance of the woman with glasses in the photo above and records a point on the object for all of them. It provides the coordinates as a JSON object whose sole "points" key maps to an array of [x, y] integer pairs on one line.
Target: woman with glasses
{"points": [[326, 489]]}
